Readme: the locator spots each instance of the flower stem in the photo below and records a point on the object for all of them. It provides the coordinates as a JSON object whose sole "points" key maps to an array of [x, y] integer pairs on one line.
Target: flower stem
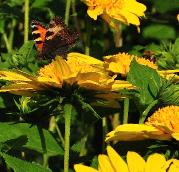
{"points": [[6, 42], [146, 111], [126, 110], [67, 11], [104, 125], [26, 21], [11, 35], [59, 134], [67, 115]]}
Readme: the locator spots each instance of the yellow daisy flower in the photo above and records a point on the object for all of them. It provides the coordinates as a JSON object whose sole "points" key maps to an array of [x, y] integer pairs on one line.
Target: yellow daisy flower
{"points": [[126, 11], [58, 72], [114, 163], [162, 125], [120, 63]]}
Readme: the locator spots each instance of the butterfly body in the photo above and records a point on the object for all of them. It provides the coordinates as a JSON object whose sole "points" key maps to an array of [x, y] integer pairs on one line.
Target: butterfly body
{"points": [[55, 39]]}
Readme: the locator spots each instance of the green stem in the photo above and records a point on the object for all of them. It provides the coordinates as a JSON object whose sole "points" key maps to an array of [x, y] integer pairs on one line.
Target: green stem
{"points": [[88, 37], [26, 21], [104, 125], [59, 134], [45, 160], [67, 114], [11, 35], [146, 111], [6, 42], [67, 11], [126, 110]]}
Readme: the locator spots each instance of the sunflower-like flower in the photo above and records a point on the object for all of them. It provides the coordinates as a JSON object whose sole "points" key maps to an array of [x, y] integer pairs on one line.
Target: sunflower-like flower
{"points": [[60, 72], [114, 163], [125, 11], [120, 63], [162, 125]]}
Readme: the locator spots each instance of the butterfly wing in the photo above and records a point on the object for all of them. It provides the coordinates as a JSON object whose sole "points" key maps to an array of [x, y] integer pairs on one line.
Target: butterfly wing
{"points": [[58, 38], [39, 34]]}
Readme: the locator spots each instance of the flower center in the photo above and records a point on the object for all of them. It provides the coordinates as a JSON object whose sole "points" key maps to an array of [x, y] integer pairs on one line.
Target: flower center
{"points": [[167, 116]]}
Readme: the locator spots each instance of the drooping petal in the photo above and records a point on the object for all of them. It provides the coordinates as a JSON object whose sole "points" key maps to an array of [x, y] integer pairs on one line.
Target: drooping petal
{"points": [[129, 132]]}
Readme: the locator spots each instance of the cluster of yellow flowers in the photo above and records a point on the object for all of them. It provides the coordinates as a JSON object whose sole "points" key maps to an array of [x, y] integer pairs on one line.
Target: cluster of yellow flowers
{"points": [[80, 69], [101, 75], [114, 163]]}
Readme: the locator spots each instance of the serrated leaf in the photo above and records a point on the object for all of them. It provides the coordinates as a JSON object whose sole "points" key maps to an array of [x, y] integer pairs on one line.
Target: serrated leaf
{"points": [[159, 32], [147, 81], [25, 54], [19, 165], [38, 139]]}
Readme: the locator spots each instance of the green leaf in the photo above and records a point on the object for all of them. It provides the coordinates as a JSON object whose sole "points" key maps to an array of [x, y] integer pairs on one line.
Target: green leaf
{"points": [[25, 54], [80, 145], [19, 165], [39, 139], [147, 81], [2, 22], [169, 93], [40, 3], [159, 32], [165, 6], [14, 143]]}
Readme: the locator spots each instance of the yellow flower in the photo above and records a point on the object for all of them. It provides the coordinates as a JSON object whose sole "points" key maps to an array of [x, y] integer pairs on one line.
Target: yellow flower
{"points": [[178, 17], [135, 163], [162, 125], [126, 11], [58, 72], [169, 74], [120, 63]]}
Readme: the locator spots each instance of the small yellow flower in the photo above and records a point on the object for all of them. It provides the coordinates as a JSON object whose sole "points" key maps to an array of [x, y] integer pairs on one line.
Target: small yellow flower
{"points": [[162, 125], [120, 63], [114, 163], [89, 75], [125, 11], [178, 17]]}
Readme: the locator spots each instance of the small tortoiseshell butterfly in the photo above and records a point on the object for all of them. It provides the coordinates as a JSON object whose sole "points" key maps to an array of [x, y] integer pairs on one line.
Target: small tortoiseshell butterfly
{"points": [[55, 39]]}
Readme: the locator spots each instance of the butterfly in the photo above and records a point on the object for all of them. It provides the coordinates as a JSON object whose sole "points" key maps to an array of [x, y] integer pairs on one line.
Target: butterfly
{"points": [[53, 40]]}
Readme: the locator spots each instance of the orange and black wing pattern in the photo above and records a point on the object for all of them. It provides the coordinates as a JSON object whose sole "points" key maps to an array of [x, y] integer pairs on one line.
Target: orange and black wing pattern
{"points": [[54, 40]]}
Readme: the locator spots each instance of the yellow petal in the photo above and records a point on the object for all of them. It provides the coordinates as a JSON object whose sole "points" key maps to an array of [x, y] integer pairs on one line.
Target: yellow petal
{"points": [[15, 76], [135, 162], [94, 12], [83, 168], [117, 162], [129, 132], [119, 84], [172, 165], [155, 162], [178, 17], [135, 7], [82, 58], [105, 164], [175, 136], [130, 17]]}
